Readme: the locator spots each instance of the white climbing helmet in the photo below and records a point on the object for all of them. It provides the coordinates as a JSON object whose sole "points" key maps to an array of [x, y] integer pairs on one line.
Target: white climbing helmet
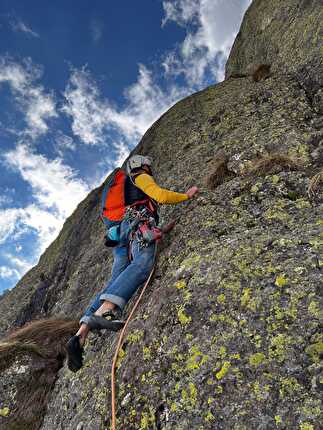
{"points": [[137, 161]]}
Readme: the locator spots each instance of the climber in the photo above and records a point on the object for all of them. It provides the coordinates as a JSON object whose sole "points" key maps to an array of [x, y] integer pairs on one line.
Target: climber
{"points": [[130, 269]]}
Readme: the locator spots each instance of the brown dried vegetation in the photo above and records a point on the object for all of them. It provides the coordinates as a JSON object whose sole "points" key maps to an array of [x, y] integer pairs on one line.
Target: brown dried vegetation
{"points": [[219, 170], [272, 163], [11, 350], [258, 73], [261, 72], [44, 340], [315, 184]]}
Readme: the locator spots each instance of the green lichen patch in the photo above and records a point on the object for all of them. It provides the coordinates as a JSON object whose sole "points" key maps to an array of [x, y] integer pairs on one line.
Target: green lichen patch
{"points": [[306, 426], [4, 412], [223, 371], [315, 351], [182, 317], [196, 358], [257, 359], [281, 280], [279, 345]]}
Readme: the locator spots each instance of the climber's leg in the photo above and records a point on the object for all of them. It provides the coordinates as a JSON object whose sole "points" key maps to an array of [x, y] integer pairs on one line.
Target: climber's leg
{"points": [[121, 261], [125, 285]]}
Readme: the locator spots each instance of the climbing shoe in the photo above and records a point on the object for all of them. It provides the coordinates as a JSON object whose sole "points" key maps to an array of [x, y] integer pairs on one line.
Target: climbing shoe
{"points": [[108, 321], [74, 354]]}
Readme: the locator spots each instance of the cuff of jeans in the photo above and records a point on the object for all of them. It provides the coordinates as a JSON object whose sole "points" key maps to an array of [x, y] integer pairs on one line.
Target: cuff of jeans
{"points": [[84, 320], [117, 300]]}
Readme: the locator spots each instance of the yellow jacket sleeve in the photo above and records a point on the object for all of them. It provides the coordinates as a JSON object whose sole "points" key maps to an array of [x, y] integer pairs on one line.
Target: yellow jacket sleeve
{"points": [[147, 184]]}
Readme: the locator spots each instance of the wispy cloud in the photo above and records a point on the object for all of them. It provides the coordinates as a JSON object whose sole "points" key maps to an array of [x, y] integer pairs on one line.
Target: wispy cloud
{"points": [[83, 104], [93, 115], [180, 11], [37, 105], [55, 189], [211, 29], [63, 143], [96, 29], [8, 220], [8, 272], [14, 267], [54, 185], [5, 200], [18, 25]]}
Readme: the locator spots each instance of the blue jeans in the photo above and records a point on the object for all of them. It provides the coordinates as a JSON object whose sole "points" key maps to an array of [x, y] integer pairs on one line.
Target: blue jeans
{"points": [[126, 276]]}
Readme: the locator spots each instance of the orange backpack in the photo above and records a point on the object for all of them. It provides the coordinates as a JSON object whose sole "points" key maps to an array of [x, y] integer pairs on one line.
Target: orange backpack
{"points": [[113, 199]]}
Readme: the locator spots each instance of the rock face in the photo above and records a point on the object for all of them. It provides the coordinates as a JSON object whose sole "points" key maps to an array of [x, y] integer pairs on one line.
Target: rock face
{"points": [[227, 336]]}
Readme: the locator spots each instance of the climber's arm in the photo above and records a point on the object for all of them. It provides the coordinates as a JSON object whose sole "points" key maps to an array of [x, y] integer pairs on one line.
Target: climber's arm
{"points": [[147, 184]]}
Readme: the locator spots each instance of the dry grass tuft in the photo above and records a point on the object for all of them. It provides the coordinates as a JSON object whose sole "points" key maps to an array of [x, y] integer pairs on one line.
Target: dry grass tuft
{"points": [[43, 338], [261, 72], [38, 331], [44, 341], [219, 170], [272, 163], [11, 350], [315, 184]]}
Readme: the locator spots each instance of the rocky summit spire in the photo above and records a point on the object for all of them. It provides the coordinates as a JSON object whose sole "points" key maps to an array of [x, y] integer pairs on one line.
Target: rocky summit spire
{"points": [[228, 334]]}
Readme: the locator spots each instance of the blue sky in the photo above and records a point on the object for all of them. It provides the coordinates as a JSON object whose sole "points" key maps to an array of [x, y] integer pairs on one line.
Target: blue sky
{"points": [[80, 83]]}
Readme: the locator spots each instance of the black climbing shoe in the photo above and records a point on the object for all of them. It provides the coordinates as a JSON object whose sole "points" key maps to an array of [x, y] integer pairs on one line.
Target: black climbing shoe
{"points": [[74, 354], [113, 314], [96, 322]]}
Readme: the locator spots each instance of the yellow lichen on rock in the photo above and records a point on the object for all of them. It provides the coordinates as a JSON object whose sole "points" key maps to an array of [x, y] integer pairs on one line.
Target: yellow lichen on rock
{"points": [[4, 412], [223, 371], [257, 359]]}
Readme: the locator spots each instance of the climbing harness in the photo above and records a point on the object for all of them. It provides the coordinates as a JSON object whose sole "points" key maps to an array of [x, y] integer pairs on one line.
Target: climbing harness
{"points": [[142, 226], [120, 343]]}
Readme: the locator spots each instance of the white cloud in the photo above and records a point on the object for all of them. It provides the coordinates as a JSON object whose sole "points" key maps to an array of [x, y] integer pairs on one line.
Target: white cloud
{"points": [[122, 153], [211, 29], [20, 263], [8, 221], [37, 105], [15, 222], [56, 192], [15, 267], [54, 185], [19, 26], [146, 102], [92, 115], [44, 223], [89, 113], [180, 11], [7, 273]]}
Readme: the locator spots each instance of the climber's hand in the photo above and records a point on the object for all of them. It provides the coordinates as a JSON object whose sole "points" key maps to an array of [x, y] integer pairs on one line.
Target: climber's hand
{"points": [[191, 192]]}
